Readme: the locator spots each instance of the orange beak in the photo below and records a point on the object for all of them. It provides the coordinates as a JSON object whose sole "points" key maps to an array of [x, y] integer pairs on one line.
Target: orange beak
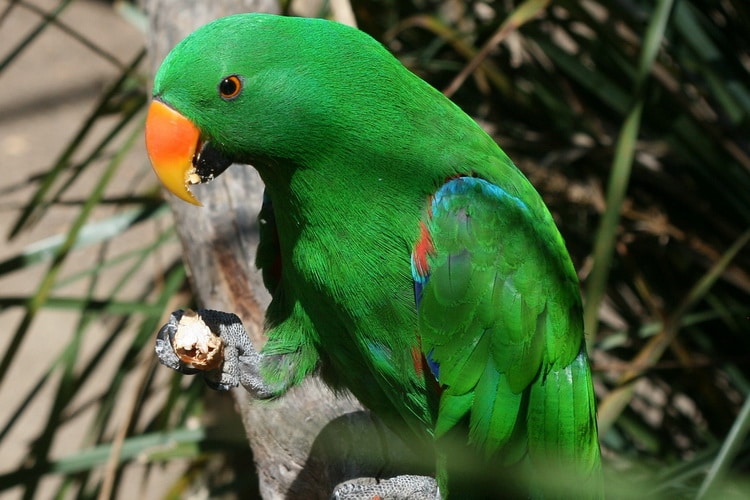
{"points": [[171, 142]]}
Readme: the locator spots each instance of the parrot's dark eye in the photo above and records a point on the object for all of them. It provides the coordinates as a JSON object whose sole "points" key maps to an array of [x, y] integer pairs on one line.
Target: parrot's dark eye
{"points": [[230, 87]]}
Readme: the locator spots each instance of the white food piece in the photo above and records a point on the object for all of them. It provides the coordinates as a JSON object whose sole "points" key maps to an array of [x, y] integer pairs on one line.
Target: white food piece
{"points": [[196, 345]]}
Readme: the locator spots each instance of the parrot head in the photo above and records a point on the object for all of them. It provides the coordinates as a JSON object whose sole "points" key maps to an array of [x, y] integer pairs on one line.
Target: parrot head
{"points": [[254, 88], [205, 102]]}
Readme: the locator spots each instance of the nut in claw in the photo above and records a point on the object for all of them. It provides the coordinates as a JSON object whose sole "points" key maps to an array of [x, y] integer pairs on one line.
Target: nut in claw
{"points": [[196, 345]]}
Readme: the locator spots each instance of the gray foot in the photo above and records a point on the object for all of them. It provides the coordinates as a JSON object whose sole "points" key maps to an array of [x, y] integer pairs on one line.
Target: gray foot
{"points": [[405, 487], [216, 344]]}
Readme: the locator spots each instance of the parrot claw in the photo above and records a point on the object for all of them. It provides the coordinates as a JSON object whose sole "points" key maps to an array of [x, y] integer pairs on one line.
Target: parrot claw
{"points": [[395, 488], [216, 344]]}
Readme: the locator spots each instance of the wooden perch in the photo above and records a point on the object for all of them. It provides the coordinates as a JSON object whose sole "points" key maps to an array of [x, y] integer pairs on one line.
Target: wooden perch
{"points": [[219, 242]]}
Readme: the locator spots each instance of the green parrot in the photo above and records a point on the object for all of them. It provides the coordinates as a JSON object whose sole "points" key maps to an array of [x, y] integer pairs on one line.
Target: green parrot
{"points": [[408, 259]]}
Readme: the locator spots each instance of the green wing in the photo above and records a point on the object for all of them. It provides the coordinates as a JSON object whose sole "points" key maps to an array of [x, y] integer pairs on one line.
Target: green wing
{"points": [[501, 329]]}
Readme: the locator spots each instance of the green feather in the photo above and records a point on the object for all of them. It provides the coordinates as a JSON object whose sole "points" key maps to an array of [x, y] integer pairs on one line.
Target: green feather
{"points": [[453, 409], [495, 412], [516, 348]]}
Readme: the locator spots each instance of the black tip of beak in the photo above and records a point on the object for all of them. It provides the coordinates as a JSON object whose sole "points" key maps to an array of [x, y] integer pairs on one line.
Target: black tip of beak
{"points": [[209, 163]]}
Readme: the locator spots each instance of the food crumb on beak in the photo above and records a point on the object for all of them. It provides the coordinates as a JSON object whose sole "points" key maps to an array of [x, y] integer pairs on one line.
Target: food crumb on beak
{"points": [[193, 178]]}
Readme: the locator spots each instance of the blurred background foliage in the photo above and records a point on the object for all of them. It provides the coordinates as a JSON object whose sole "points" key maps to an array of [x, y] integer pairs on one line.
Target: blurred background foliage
{"points": [[631, 118]]}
